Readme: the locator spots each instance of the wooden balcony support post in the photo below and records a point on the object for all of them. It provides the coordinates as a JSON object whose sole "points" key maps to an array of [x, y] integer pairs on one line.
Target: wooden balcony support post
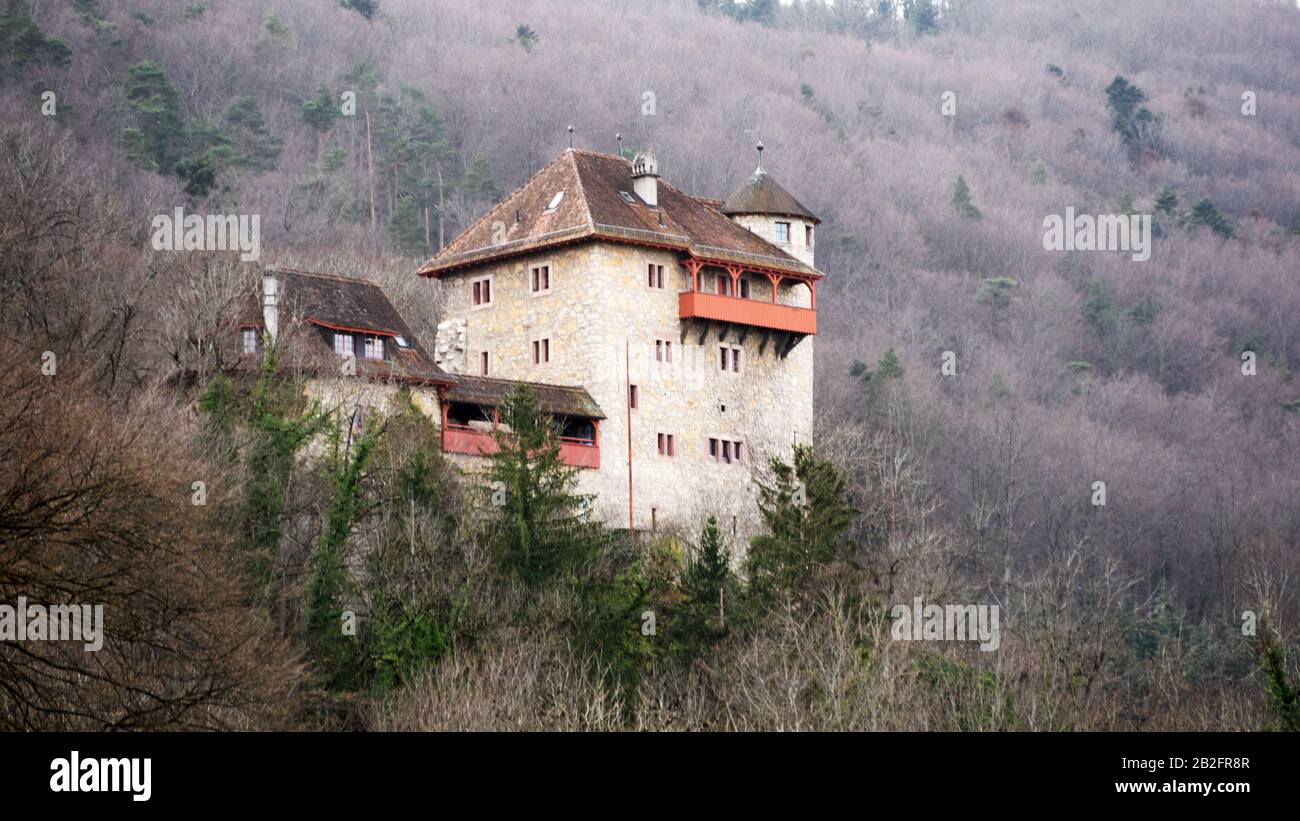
{"points": [[693, 267], [734, 271]]}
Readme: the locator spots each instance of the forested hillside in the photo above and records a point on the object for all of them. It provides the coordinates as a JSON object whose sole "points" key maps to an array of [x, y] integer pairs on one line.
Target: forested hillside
{"points": [[932, 140]]}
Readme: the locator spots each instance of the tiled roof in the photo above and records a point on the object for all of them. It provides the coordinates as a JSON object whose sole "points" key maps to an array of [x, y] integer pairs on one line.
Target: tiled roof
{"points": [[341, 304], [599, 202], [763, 195], [551, 399]]}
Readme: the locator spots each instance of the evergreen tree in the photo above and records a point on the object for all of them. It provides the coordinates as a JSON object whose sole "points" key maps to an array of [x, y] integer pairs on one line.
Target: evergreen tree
{"points": [[157, 138], [806, 512], [366, 8], [320, 112], [1205, 213], [540, 526], [24, 43], [961, 199], [253, 146], [709, 586], [1133, 122]]}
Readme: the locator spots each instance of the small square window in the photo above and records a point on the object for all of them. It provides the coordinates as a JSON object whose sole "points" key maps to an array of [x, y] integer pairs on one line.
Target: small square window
{"points": [[540, 279], [665, 441], [655, 276], [482, 291], [541, 351]]}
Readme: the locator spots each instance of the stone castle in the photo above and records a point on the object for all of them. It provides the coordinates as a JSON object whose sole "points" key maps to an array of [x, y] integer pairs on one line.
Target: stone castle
{"points": [[671, 336]]}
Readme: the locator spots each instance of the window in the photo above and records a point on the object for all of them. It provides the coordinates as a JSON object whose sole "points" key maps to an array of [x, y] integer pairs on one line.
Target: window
{"points": [[250, 340], [724, 450], [663, 350], [666, 445], [343, 345], [783, 233], [722, 284], [555, 201], [632, 397], [655, 276], [627, 198], [541, 351], [729, 359], [401, 342], [374, 347], [483, 362], [807, 235], [541, 279], [482, 291], [744, 288]]}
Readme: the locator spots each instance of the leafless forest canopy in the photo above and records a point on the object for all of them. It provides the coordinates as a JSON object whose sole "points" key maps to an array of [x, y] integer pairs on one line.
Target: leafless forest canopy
{"points": [[1071, 368]]}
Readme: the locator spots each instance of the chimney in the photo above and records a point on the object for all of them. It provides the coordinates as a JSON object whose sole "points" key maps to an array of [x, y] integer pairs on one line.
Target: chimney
{"points": [[645, 177], [270, 305]]}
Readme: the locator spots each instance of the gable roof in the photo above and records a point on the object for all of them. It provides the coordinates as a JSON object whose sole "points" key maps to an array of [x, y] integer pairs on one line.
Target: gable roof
{"points": [[599, 202], [760, 194], [552, 399], [344, 304]]}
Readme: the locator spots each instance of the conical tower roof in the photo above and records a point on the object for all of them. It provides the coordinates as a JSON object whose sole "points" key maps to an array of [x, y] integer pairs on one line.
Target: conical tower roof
{"points": [[761, 194]]}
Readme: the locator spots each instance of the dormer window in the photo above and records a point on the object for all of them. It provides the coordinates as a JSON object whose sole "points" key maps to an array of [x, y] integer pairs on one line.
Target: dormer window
{"points": [[374, 347], [783, 233], [401, 342], [555, 201]]}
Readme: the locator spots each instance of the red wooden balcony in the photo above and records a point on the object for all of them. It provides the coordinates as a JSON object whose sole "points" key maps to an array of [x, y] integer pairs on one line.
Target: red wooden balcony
{"points": [[760, 314], [579, 453]]}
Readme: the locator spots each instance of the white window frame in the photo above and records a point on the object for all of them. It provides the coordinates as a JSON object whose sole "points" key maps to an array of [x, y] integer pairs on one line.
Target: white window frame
{"points": [[550, 278], [352, 344], [490, 279], [252, 340], [372, 345]]}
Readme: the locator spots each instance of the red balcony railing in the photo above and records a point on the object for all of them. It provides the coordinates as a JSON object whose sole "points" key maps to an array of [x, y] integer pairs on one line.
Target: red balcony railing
{"points": [[580, 453], [699, 305]]}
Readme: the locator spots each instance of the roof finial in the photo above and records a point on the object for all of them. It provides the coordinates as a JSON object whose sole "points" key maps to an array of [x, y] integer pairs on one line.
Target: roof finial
{"points": [[619, 137], [570, 136], [760, 158]]}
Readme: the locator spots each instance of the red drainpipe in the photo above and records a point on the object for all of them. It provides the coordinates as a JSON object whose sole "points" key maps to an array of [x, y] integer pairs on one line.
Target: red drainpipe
{"points": [[627, 402]]}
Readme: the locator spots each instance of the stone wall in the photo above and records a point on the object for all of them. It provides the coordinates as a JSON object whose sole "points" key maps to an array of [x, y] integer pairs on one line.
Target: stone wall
{"points": [[603, 320]]}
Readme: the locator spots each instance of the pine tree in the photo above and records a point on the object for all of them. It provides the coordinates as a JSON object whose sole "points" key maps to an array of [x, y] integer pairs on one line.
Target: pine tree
{"points": [[540, 526], [708, 584], [961, 199], [805, 511], [320, 112], [156, 140], [1205, 213]]}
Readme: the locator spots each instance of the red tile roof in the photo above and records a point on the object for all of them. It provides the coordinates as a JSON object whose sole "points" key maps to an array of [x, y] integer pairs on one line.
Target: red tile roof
{"points": [[599, 202], [343, 304]]}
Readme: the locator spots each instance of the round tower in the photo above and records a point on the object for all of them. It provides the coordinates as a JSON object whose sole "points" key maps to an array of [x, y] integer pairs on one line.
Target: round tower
{"points": [[767, 209]]}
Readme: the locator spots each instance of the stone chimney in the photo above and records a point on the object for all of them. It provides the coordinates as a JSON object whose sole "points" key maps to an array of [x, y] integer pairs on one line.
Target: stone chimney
{"points": [[645, 177], [271, 304]]}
